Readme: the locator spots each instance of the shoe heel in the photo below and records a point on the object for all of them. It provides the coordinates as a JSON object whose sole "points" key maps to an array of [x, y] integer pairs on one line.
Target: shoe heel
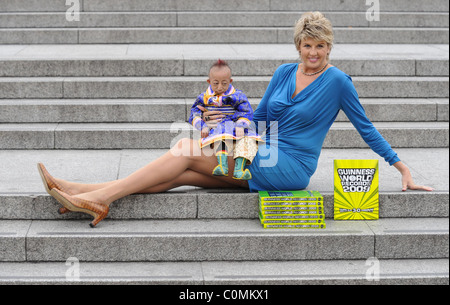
{"points": [[98, 210], [62, 211], [97, 219]]}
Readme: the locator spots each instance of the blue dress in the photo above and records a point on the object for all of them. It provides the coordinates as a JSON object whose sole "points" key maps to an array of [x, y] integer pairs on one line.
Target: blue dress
{"points": [[296, 127]]}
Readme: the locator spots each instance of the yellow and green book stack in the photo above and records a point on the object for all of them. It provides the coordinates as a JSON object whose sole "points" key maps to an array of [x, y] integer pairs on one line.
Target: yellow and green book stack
{"points": [[291, 210]]}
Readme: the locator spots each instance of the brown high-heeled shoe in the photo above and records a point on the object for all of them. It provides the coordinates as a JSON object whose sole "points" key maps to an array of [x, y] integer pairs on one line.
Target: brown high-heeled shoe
{"points": [[96, 209], [50, 183]]}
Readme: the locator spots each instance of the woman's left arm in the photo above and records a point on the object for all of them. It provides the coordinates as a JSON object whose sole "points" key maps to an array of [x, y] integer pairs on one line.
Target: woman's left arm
{"points": [[355, 112], [407, 179]]}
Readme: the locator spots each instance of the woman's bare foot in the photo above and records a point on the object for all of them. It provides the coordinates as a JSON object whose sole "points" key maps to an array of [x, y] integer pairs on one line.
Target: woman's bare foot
{"points": [[70, 187], [97, 196]]}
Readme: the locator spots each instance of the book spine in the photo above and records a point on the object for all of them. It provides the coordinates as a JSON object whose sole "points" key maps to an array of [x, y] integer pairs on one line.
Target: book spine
{"points": [[292, 221], [290, 199], [293, 216], [292, 203], [295, 226], [291, 210]]}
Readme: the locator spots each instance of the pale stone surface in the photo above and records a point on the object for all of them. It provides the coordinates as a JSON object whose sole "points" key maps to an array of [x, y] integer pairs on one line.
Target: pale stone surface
{"points": [[411, 238], [194, 240], [13, 240]]}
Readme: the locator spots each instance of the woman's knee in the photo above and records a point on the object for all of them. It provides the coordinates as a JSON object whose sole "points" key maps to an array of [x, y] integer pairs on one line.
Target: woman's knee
{"points": [[185, 148]]}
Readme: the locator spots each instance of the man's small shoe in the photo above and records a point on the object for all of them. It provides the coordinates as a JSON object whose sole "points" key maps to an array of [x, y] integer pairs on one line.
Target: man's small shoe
{"points": [[246, 175], [240, 173], [221, 170]]}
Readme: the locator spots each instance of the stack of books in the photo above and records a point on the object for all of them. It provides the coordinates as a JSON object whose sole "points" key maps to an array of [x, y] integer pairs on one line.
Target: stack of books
{"points": [[291, 210]]}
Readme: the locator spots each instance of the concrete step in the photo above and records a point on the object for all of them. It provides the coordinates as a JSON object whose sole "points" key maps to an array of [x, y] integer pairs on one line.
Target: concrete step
{"points": [[356, 5], [221, 240], [197, 67], [209, 5], [22, 195], [241, 67], [165, 135], [214, 19], [184, 35], [210, 204], [331, 272], [194, 60], [94, 111], [191, 87], [178, 110]]}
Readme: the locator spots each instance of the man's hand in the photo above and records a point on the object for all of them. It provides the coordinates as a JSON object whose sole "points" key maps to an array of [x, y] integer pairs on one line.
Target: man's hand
{"points": [[205, 132], [240, 132], [211, 118]]}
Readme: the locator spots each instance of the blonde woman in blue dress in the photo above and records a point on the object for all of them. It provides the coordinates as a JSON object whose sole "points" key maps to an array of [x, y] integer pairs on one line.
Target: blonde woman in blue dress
{"points": [[303, 98]]}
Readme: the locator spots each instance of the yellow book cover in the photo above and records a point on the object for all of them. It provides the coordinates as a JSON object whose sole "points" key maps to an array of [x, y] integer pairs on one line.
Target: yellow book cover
{"points": [[356, 190]]}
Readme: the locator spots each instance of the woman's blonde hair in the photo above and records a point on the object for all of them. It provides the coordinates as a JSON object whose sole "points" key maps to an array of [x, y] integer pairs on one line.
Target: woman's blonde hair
{"points": [[313, 25]]}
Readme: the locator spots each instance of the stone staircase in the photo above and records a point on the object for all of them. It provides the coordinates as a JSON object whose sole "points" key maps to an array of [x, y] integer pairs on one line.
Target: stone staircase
{"points": [[95, 100], [250, 21]]}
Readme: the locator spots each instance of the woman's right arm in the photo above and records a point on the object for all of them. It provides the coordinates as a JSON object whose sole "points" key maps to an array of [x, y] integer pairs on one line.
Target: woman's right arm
{"points": [[352, 107], [355, 112]]}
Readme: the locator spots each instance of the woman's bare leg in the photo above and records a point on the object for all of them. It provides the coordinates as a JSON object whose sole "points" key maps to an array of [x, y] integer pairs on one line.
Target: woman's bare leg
{"points": [[185, 179], [185, 156], [189, 178], [80, 188]]}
